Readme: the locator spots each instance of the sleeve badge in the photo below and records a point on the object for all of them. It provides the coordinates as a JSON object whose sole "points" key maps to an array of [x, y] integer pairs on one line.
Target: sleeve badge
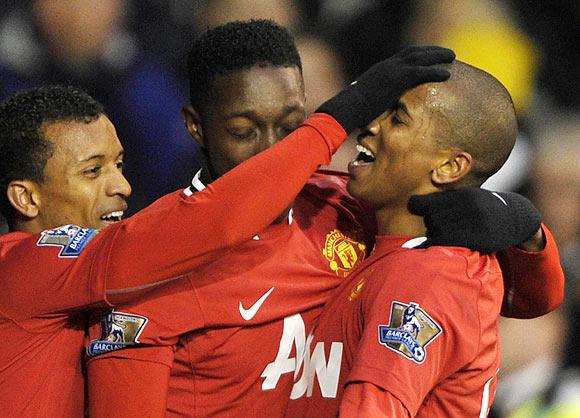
{"points": [[71, 238], [409, 332], [118, 330]]}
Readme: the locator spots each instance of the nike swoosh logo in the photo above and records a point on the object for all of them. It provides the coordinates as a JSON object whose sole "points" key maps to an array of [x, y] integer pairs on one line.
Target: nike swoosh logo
{"points": [[248, 314], [500, 198]]}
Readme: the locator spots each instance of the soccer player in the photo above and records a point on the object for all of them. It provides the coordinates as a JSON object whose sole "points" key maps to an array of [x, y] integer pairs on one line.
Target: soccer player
{"points": [[413, 332], [62, 182], [259, 300]]}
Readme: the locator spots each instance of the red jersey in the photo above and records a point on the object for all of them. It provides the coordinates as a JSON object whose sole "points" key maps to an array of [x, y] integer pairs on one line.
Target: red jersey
{"points": [[239, 360], [420, 324], [47, 279], [257, 302]]}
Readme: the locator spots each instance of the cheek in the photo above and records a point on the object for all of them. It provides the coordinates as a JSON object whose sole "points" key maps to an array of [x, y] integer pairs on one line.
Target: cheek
{"points": [[82, 196], [407, 172], [61, 212], [412, 155], [241, 151]]}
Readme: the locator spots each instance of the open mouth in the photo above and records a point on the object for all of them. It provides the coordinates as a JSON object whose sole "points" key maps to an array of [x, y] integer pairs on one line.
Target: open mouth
{"points": [[114, 216], [365, 156]]}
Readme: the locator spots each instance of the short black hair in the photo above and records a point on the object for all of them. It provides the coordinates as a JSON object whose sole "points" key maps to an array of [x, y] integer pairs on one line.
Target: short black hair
{"points": [[481, 119], [238, 45], [23, 149]]}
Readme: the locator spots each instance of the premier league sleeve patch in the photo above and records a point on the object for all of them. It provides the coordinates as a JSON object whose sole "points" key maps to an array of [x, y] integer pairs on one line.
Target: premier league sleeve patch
{"points": [[71, 238], [409, 332], [118, 330]]}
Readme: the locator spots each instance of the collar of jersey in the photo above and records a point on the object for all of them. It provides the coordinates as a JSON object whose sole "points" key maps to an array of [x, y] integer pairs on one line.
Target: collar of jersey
{"points": [[385, 244], [198, 185]]}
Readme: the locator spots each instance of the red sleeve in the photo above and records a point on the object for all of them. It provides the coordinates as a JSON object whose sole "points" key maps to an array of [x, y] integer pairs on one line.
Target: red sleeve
{"points": [[370, 401], [168, 239], [156, 320], [533, 281], [127, 388], [172, 239]]}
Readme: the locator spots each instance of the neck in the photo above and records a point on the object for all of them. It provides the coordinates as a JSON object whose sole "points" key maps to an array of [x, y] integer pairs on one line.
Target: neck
{"points": [[399, 221], [30, 227]]}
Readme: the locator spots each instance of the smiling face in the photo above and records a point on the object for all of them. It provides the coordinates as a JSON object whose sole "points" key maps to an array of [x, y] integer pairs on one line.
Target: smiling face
{"points": [[83, 179], [398, 152], [441, 136], [248, 111]]}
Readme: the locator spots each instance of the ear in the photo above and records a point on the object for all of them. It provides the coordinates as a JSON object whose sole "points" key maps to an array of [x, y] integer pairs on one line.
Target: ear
{"points": [[192, 121], [23, 196], [451, 168]]}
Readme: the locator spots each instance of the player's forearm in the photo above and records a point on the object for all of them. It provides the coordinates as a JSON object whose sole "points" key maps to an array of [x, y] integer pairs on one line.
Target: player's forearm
{"points": [[534, 281], [174, 236]]}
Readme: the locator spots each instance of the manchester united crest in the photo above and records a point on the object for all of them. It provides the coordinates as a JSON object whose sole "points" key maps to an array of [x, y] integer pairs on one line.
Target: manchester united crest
{"points": [[342, 252]]}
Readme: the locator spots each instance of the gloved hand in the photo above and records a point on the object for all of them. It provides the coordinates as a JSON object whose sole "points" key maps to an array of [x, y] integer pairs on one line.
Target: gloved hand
{"points": [[476, 218], [380, 87]]}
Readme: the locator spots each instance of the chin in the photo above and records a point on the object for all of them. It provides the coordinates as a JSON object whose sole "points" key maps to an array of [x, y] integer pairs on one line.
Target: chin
{"points": [[103, 224], [351, 187], [355, 189]]}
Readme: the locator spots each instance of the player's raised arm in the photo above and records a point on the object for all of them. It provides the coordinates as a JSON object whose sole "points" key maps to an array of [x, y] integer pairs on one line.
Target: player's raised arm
{"points": [[167, 239], [180, 232], [249, 197]]}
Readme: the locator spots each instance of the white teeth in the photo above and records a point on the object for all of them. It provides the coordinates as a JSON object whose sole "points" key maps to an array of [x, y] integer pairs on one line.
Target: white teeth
{"points": [[364, 151], [113, 216]]}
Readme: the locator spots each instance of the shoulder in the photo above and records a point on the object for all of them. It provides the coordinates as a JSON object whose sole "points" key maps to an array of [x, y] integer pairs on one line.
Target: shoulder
{"points": [[321, 191], [445, 261], [327, 192], [442, 284], [443, 273], [11, 241], [13, 237], [14, 241], [65, 242], [324, 206], [329, 181], [428, 260]]}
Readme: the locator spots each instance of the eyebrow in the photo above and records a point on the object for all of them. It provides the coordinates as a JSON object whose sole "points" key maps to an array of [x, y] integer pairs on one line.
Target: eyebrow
{"points": [[100, 156], [403, 107], [252, 115]]}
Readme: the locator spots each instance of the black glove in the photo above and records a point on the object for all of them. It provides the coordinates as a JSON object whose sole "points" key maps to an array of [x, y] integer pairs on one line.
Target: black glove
{"points": [[380, 87], [476, 218]]}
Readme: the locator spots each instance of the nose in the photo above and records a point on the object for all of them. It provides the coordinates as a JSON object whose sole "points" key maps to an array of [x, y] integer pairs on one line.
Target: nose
{"points": [[374, 127], [119, 185], [268, 139]]}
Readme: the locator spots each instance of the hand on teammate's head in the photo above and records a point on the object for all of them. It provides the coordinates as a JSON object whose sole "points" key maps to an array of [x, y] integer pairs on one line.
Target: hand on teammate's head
{"points": [[380, 87]]}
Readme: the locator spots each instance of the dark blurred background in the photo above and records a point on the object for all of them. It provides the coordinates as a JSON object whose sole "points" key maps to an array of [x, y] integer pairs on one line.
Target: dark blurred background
{"points": [[131, 56]]}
